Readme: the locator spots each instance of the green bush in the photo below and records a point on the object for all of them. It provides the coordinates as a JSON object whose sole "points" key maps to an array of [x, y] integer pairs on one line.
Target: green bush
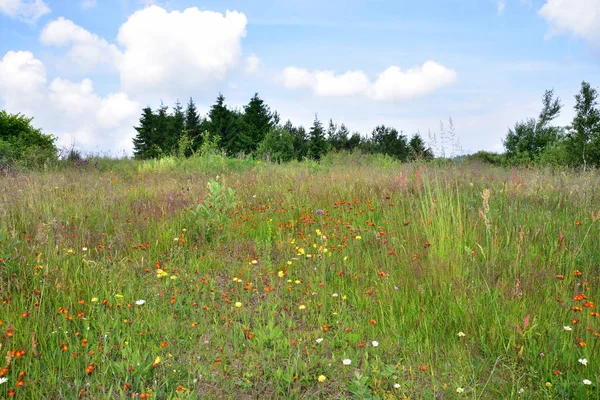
{"points": [[22, 145]]}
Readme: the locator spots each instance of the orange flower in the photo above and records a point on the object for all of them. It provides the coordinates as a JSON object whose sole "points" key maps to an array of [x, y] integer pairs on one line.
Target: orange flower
{"points": [[373, 322], [589, 304], [325, 327], [581, 343], [423, 367], [577, 272], [556, 372], [576, 308], [164, 344], [577, 223], [90, 368], [561, 277]]}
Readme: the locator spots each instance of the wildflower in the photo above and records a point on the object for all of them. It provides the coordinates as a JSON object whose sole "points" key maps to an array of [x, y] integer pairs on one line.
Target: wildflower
{"points": [[173, 277], [375, 343], [459, 390], [583, 361], [347, 361], [548, 384], [319, 212], [238, 304], [297, 282], [319, 340], [358, 238], [140, 302], [84, 248], [396, 386], [119, 296], [322, 378], [94, 300], [344, 297], [301, 306], [587, 382], [461, 334], [160, 273], [567, 328], [280, 274], [335, 295], [3, 380]]}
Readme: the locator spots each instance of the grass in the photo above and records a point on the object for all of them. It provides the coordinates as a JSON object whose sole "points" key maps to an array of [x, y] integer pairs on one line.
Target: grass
{"points": [[415, 281]]}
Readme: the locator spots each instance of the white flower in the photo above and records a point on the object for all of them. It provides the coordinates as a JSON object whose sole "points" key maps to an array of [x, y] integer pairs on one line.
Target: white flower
{"points": [[140, 302], [522, 390], [460, 334], [396, 386], [583, 361], [567, 328], [587, 382], [347, 361], [319, 340], [176, 239], [3, 380], [459, 390], [375, 343], [84, 248], [335, 295]]}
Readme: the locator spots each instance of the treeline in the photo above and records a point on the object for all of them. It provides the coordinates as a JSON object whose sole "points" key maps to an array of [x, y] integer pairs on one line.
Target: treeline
{"points": [[538, 141], [257, 131]]}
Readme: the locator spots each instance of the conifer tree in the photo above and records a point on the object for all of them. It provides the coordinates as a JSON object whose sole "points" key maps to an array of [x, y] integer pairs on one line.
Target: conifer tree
{"points": [[257, 121], [144, 141], [317, 146]]}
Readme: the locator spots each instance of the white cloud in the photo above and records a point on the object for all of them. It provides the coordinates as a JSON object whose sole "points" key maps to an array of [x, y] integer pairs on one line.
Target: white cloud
{"points": [[578, 17], [70, 110], [85, 4], [501, 7], [252, 64], [86, 49], [165, 51], [393, 84], [26, 10]]}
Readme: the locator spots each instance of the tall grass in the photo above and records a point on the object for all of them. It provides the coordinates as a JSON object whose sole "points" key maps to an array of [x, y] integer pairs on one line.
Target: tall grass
{"points": [[431, 281]]}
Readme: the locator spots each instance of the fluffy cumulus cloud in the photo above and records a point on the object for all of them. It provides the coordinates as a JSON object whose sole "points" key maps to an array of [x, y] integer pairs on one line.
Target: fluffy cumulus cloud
{"points": [[70, 110], [85, 49], [578, 17], [165, 51], [393, 84], [26, 10]]}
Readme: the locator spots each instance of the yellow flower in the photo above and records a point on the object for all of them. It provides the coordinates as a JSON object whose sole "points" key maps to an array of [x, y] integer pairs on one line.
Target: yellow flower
{"points": [[289, 263], [254, 262], [548, 384], [459, 390], [297, 281], [119, 296], [318, 231], [302, 307], [280, 274], [173, 277], [238, 304], [358, 238], [94, 300], [322, 378], [344, 297], [157, 360], [161, 273]]}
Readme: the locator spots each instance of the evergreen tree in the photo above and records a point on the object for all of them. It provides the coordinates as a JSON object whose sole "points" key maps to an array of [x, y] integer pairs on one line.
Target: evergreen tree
{"points": [[317, 146], [144, 143], [161, 126], [418, 151], [175, 129], [192, 120], [257, 121], [331, 133], [584, 135], [220, 120]]}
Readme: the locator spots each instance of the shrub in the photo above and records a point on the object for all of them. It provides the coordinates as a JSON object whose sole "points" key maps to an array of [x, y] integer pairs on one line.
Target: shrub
{"points": [[21, 144]]}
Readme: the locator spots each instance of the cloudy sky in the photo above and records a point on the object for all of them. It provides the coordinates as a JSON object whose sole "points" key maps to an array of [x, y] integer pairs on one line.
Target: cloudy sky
{"points": [[85, 68]]}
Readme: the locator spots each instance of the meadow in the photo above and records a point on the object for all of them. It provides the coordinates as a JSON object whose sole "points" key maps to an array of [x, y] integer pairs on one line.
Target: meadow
{"points": [[356, 277]]}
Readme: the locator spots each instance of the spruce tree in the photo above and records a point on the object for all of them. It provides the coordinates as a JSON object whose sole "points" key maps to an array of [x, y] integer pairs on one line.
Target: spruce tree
{"points": [[317, 146], [145, 138], [193, 124], [257, 121], [175, 129], [418, 150]]}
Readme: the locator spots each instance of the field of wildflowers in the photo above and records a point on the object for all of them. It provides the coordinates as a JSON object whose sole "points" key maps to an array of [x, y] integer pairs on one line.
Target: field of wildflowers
{"points": [[353, 278]]}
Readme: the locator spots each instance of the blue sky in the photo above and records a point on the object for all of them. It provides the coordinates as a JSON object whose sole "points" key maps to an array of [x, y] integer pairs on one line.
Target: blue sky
{"points": [[84, 69]]}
